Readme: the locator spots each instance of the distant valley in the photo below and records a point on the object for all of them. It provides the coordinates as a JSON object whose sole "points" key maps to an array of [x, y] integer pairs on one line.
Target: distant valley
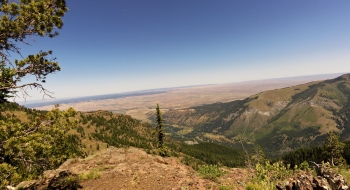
{"points": [[138, 104]]}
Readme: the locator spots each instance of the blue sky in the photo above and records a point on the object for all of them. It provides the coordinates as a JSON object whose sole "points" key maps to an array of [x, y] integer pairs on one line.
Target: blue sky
{"points": [[116, 46]]}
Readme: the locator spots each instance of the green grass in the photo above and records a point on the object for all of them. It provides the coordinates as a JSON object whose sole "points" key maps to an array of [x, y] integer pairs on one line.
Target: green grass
{"points": [[345, 173], [226, 187], [260, 186], [211, 172], [92, 174]]}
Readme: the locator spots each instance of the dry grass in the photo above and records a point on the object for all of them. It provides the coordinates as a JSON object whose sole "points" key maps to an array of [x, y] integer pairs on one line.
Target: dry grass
{"points": [[218, 137], [277, 95], [185, 130]]}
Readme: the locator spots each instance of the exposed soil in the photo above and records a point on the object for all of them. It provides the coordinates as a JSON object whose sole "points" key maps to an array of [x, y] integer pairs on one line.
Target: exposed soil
{"points": [[132, 168]]}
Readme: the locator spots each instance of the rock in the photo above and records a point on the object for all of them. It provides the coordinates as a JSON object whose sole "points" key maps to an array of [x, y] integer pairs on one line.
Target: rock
{"points": [[289, 186], [320, 183], [160, 160], [10, 188], [303, 182], [279, 187], [326, 180], [26, 184], [337, 182], [53, 179]]}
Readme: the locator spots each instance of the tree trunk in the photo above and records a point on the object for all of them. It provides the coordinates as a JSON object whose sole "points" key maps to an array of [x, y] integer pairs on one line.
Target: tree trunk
{"points": [[332, 161]]}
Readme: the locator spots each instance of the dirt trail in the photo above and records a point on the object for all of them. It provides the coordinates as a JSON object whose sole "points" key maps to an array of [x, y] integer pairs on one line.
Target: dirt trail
{"points": [[132, 168]]}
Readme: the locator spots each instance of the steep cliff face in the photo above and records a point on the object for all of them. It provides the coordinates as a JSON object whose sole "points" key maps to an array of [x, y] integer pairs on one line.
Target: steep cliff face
{"points": [[279, 120]]}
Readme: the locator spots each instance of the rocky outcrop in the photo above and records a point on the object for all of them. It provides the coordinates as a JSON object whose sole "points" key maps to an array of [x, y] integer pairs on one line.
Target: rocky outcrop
{"points": [[53, 179], [326, 179]]}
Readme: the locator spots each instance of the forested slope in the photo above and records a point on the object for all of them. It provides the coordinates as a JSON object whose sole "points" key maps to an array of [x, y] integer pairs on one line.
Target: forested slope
{"points": [[279, 120]]}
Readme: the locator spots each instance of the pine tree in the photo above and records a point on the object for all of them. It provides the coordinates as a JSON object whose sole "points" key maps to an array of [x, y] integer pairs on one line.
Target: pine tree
{"points": [[159, 127], [20, 21], [160, 132], [42, 143], [333, 149], [4, 77]]}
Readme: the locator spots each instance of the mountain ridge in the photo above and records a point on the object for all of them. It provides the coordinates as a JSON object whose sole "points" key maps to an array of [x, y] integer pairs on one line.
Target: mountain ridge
{"points": [[278, 120]]}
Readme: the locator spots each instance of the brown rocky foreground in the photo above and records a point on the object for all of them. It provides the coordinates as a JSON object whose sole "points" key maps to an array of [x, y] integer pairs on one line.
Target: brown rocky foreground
{"points": [[130, 169]]}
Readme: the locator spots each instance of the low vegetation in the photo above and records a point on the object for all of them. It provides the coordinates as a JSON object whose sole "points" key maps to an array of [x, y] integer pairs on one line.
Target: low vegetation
{"points": [[90, 175], [42, 143], [210, 172], [267, 175]]}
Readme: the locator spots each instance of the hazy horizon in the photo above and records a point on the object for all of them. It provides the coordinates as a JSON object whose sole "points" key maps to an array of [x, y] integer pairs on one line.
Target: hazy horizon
{"points": [[119, 46], [177, 87]]}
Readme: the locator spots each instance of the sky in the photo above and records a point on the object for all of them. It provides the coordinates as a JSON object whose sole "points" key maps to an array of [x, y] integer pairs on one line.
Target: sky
{"points": [[114, 46]]}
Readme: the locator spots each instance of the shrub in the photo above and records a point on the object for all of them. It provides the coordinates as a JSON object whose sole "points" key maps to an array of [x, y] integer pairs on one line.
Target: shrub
{"points": [[267, 175], [211, 172], [304, 165], [226, 187], [90, 175], [272, 172], [260, 186]]}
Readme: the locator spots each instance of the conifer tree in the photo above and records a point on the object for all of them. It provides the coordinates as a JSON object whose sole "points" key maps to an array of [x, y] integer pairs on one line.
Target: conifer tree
{"points": [[160, 133], [159, 128], [333, 149], [42, 143], [20, 21]]}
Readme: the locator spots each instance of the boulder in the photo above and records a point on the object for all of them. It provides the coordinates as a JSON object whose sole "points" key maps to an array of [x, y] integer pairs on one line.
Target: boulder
{"points": [[53, 179], [326, 179]]}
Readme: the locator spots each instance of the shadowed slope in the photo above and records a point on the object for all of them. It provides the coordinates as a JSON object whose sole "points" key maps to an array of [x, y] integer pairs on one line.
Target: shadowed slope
{"points": [[279, 120]]}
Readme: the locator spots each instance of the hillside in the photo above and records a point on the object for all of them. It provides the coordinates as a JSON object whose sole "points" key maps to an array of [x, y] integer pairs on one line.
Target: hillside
{"points": [[103, 166], [56, 136], [279, 120]]}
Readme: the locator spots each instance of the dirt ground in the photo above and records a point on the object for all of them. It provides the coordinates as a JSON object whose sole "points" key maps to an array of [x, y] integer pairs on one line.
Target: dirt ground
{"points": [[132, 168]]}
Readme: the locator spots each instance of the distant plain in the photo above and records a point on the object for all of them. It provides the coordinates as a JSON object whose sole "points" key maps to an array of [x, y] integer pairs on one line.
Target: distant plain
{"points": [[184, 97]]}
